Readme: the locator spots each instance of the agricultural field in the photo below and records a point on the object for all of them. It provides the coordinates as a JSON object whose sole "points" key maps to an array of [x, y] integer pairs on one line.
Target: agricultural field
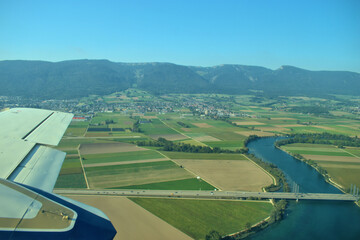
{"points": [[342, 165], [71, 174], [183, 184], [121, 157], [232, 175], [197, 218], [131, 221], [105, 147], [134, 174]]}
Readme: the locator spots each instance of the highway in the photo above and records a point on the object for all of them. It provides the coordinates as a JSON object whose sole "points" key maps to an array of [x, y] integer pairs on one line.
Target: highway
{"points": [[211, 194]]}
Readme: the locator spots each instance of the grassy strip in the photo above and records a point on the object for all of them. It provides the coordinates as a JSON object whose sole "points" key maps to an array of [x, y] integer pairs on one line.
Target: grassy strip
{"points": [[184, 184], [198, 217]]}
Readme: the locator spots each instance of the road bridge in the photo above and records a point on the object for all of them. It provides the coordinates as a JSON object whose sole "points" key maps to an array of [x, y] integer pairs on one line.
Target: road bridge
{"points": [[212, 194]]}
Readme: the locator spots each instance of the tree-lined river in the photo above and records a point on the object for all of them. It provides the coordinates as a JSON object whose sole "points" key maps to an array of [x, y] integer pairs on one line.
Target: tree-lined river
{"points": [[307, 219]]}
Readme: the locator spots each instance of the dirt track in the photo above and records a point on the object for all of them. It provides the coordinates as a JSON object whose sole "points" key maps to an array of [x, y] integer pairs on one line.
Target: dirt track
{"points": [[131, 221]]}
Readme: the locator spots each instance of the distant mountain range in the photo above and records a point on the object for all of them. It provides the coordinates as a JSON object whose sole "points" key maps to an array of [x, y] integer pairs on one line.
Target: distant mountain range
{"points": [[78, 78]]}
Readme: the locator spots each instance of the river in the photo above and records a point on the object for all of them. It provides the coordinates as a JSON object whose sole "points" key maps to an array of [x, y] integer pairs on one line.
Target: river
{"points": [[306, 219]]}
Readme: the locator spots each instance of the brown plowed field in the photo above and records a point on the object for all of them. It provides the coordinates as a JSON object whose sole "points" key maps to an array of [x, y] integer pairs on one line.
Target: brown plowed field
{"points": [[202, 125], [131, 221], [95, 148]]}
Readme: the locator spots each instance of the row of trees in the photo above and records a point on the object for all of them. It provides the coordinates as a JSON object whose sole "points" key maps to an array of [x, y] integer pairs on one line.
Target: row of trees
{"points": [[183, 124], [167, 145], [321, 138]]}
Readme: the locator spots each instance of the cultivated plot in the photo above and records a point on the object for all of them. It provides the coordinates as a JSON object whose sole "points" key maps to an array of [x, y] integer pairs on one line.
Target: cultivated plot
{"points": [[134, 174], [241, 175], [198, 217], [96, 148], [131, 221]]}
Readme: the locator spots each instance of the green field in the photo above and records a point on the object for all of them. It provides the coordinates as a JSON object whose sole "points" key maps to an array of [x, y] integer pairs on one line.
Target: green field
{"points": [[119, 157], [156, 127], [345, 175], [198, 217], [70, 181], [134, 174], [183, 184]]}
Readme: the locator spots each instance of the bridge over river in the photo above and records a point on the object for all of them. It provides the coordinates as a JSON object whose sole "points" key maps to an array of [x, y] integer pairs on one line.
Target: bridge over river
{"points": [[213, 194]]}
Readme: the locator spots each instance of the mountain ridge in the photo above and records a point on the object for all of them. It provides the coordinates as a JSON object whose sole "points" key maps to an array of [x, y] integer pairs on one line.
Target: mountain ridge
{"points": [[79, 78]]}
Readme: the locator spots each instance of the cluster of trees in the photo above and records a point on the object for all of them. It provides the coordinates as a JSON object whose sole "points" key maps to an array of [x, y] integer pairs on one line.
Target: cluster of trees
{"points": [[321, 138], [310, 109], [136, 126], [183, 124], [275, 172], [250, 138], [183, 147]]}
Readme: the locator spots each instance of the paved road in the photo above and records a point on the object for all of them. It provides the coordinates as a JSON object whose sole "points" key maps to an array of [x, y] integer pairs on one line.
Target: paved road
{"points": [[213, 194]]}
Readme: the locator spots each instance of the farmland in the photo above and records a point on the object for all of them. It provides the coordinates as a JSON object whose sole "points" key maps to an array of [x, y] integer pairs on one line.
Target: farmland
{"points": [[197, 218], [103, 152], [342, 165]]}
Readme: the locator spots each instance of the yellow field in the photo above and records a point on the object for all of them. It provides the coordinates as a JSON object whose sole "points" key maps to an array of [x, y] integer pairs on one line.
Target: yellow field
{"points": [[131, 221], [207, 139], [324, 127], [229, 174], [273, 129]]}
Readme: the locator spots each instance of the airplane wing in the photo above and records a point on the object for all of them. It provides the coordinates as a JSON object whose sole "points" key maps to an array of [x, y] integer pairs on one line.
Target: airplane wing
{"points": [[24, 155], [28, 171]]}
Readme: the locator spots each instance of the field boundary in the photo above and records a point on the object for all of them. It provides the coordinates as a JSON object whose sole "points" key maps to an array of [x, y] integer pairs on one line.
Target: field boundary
{"points": [[174, 161], [182, 133], [273, 178], [82, 166]]}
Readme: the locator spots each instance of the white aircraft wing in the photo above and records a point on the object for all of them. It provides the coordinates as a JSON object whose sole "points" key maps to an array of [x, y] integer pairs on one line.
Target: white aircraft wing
{"points": [[24, 154]]}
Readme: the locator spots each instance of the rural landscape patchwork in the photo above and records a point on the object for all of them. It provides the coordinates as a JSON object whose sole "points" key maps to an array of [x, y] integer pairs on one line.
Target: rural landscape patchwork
{"points": [[140, 141]]}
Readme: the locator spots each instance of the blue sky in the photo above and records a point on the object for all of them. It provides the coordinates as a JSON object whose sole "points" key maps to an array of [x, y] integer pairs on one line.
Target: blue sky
{"points": [[315, 34]]}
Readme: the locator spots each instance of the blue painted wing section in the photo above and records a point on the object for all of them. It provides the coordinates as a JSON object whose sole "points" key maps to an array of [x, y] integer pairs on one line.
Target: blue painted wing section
{"points": [[88, 225]]}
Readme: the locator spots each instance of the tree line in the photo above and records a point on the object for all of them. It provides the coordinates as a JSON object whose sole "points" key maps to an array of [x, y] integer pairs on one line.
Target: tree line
{"points": [[166, 145], [320, 138]]}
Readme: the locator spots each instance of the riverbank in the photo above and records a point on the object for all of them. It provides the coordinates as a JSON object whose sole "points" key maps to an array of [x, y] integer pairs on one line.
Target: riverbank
{"points": [[275, 216], [316, 219], [318, 168]]}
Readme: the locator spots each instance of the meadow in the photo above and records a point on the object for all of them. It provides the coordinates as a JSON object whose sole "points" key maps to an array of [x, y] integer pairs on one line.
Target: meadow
{"points": [[198, 217]]}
